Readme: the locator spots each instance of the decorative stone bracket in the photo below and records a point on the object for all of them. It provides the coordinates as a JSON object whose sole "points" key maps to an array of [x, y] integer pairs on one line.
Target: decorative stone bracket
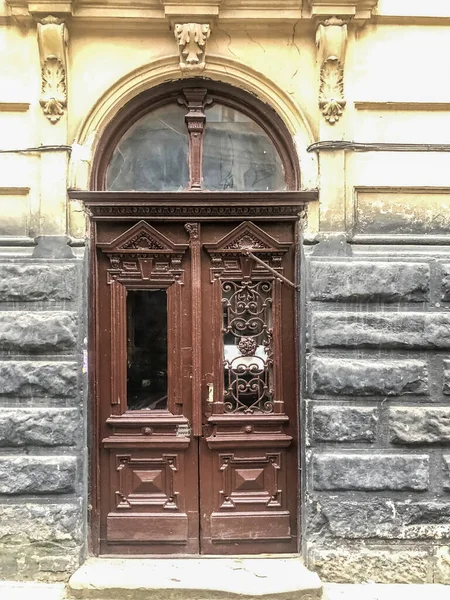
{"points": [[331, 39], [52, 40], [191, 39]]}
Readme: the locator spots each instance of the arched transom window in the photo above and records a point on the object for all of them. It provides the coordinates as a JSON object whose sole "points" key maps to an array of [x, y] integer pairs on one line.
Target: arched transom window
{"points": [[198, 139]]}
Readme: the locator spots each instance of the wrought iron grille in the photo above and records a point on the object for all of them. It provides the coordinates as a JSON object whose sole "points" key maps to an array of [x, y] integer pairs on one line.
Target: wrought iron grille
{"points": [[248, 355]]}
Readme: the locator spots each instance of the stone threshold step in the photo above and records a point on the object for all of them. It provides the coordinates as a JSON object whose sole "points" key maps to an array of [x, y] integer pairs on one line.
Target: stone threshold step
{"points": [[205, 578]]}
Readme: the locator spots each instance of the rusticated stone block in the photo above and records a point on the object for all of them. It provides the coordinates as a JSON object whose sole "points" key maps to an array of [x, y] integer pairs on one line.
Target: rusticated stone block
{"points": [[381, 330], [38, 426], [380, 377], [343, 424], [419, 425], [30, 332], [28, 524], [35, 563], [22, 282], [445, 296], [37, 474], [370, 472], [441, 573], [382, 518], [28, 379], [446, 476], [446, 387], [364, 281], [356, 565]]}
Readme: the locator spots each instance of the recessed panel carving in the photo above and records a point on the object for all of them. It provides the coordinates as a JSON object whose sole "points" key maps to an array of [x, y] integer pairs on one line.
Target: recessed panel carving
{"points": [[250, 481], [146, 482]]}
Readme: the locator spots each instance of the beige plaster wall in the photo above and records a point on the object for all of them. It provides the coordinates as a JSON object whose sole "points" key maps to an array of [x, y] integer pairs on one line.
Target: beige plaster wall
{"points": [[399, 63]]}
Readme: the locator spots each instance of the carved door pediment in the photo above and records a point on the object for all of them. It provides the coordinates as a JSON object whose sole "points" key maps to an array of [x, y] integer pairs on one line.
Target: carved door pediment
{"points": [[247, 236], [143, 252], [229, 253], [144, 239]]}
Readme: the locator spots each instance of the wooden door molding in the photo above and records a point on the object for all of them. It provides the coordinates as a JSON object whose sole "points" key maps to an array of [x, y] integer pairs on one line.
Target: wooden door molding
{"points": [[194, 206]]}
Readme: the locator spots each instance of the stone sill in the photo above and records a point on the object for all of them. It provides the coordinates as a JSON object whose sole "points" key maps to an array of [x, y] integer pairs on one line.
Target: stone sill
{"points": [[280, 577]]}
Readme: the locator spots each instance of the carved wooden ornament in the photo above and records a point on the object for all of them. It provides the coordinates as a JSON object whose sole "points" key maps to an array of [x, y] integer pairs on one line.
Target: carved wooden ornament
{"points": [[331, 41], [191, 39], [52, 40]]}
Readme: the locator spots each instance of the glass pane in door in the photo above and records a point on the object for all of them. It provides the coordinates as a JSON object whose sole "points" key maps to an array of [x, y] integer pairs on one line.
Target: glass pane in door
{"points": [[247, 329], [147, 349]]}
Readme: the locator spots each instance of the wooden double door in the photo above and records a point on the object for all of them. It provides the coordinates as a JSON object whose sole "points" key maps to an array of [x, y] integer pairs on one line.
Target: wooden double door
{"points": [[195, 380]]}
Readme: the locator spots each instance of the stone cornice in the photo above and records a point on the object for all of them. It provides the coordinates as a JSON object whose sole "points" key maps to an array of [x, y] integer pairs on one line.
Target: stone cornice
{"points": [[160, 11]]}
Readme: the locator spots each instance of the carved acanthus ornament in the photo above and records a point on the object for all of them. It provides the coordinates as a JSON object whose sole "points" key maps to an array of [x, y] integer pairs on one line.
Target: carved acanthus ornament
{"points": [[52, 40], [331, 41], [191, 39]]}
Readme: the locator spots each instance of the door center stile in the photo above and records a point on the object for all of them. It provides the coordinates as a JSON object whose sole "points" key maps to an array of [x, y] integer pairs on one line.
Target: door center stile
{"points": [[193, 230]]}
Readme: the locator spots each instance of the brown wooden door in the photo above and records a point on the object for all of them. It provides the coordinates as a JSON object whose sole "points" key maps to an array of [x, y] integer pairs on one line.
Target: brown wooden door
{"points": [[196, 387]]}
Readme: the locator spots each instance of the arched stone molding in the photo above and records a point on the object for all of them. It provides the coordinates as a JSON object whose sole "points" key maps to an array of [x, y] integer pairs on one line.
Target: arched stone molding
{"points": [[167, 69]]}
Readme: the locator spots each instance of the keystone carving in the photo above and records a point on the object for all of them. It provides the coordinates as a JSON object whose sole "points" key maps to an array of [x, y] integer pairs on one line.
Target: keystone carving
{"points": [[191, 39], [331, 41], [52, 40]]}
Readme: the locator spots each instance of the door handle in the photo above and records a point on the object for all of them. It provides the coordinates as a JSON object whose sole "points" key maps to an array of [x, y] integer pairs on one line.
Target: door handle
{"points": [[210, 398]]}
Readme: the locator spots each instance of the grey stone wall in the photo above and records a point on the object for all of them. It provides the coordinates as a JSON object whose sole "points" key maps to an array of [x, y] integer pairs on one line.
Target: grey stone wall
{"points": [[375, 386], [42, 437]]}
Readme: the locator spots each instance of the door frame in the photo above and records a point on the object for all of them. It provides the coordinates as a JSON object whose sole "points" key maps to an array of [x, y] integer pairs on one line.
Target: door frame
{"points": [[183, 207]]}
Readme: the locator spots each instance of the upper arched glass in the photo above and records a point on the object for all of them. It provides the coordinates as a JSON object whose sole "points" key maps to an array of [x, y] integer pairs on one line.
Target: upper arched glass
{"points": [[238, 154], [154, 153]]}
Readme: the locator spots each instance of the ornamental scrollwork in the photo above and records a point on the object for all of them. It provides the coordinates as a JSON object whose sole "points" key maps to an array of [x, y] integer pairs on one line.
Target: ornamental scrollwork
{"points": [[52, 40], [193, 230], [248, 362], [331, 95], [331, 41]]}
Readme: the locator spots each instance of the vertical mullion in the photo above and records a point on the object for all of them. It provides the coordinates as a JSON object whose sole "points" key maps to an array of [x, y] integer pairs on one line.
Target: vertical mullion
{"points": [[195, 100]]}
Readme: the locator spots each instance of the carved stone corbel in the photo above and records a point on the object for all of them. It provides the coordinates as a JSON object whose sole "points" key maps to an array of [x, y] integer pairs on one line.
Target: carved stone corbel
{"points": [[52, 40], [331, 39], [191, 39]]}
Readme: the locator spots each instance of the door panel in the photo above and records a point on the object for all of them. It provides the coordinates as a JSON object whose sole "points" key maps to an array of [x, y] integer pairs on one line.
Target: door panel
{"points": [[196, 387], [149, 466], [245, 493]]}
